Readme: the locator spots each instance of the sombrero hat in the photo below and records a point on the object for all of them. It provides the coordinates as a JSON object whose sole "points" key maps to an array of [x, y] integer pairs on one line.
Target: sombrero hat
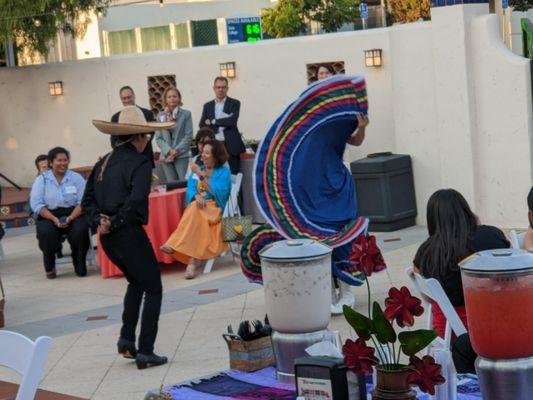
{"points": [[131, 121]]}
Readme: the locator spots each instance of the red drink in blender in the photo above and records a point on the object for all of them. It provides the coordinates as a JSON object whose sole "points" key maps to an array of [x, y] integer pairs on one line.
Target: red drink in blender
{"points": [[500, 315]]}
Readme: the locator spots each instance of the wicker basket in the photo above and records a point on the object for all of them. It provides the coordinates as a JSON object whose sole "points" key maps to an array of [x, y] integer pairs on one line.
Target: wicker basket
{"points": [[249, 356]]}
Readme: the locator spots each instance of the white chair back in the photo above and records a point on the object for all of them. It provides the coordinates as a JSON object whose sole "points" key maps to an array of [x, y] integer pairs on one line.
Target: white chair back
{"points": [[517, 239], [431, 290], [232, 208], [28, 358]]}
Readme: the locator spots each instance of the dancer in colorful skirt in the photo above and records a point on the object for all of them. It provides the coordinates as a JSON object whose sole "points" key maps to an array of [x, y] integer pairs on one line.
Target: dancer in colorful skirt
{"points": [[302, 186]]}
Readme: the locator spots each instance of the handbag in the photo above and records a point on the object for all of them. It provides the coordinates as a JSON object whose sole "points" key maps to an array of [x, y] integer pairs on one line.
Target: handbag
{"points": [[235, 227]]}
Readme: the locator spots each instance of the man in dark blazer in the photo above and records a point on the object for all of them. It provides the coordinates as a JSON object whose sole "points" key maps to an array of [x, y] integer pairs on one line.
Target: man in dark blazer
{"points": [[127, 97], [222, 115]]}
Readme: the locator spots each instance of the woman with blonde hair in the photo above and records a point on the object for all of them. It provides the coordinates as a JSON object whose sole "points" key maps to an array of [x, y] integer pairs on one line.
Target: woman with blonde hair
{"points": [[174, 143], [198, 236]]}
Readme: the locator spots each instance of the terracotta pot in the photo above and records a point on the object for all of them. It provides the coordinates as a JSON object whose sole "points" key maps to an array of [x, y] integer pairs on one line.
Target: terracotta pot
{"points": [[392, 385]]}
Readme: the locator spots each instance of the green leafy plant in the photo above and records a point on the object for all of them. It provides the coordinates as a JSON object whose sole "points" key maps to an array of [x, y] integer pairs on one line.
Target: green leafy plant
{"points": [[290, 17], [404, 11], [33, 24], [401, 308], [521, 5]]}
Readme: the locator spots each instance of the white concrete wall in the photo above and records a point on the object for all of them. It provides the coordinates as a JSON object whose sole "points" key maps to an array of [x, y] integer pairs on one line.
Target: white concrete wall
{"points": [[464, 138], [502, 144]]}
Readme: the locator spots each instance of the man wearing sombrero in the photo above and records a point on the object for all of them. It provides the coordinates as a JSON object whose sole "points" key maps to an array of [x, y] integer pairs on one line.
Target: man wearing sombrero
{"points": [[116, 201]]}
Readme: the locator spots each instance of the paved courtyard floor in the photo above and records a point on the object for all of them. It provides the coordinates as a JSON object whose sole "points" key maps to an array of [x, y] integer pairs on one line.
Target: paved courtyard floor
{"points": [[82, 315]]}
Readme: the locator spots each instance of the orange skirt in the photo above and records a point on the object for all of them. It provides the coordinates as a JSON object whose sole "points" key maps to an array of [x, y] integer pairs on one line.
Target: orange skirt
{"points": [[199, 234]]}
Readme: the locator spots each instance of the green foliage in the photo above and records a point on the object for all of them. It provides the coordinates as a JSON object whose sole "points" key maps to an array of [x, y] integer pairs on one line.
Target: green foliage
{"points": [[521, 5], [384, 330], [290, 17], [285, 19], [362, 325], [414, 341], [32, 24], [404, 11]]}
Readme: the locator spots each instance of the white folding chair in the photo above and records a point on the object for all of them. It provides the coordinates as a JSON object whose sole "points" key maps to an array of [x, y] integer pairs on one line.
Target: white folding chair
{"points": [[232, 208], [431, 291], [517, 239], [20, 354]]}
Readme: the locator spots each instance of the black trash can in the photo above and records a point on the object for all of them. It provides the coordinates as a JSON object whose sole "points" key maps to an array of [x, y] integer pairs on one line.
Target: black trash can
{"points": [[385, 190]]}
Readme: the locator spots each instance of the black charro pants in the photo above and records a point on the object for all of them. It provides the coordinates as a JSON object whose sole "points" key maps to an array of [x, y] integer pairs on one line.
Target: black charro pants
{"points": [[129, 249], [49, 237], [463, 354]]}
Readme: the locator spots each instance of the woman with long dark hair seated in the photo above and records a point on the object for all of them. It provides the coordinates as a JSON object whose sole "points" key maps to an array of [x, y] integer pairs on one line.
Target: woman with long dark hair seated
{"points": [[454, 234], [55, 198]]}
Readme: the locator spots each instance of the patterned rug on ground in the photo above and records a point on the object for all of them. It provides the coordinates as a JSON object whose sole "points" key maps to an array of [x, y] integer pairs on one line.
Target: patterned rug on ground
{"points": [[262, 385]]}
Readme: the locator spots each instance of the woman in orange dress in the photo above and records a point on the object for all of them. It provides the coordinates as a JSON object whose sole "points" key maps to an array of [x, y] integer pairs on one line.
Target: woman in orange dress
{"points": [[198, 236]]}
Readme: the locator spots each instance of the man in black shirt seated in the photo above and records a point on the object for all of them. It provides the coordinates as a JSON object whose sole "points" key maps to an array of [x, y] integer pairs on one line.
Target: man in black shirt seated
{"points": [[116, 201]]}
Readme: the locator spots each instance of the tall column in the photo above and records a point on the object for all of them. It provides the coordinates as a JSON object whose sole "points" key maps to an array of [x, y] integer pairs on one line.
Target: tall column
{"points": [[454, 94]]}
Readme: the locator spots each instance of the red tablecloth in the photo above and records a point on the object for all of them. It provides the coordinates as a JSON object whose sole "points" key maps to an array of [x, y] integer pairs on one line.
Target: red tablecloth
{"points": [[165, 211]]}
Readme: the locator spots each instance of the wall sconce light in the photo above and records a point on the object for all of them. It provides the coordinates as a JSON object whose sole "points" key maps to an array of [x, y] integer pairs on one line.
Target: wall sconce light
{"points": [[227, 70], [55, 88], [373, 58]]}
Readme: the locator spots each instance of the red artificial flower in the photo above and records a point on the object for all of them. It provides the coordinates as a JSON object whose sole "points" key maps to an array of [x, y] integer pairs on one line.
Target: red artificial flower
{"points": [[366, 254], [426, 374], [358, 356], [402, 306]]}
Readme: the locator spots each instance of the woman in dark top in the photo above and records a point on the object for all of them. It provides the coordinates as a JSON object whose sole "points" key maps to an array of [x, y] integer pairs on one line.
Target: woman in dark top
{"points": [[454, 234]]}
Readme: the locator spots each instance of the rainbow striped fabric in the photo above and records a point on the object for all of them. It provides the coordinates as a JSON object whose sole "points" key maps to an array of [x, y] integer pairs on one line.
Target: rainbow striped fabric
{"points": [[301, 184], [251, 246]]}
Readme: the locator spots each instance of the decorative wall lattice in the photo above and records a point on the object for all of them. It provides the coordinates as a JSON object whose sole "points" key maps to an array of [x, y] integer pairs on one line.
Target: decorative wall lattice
{"points": [[312, 69], [156, 87]]}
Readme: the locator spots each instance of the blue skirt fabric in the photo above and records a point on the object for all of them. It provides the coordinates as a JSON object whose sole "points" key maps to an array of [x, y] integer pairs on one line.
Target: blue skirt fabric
{"points": [[301, 184]]}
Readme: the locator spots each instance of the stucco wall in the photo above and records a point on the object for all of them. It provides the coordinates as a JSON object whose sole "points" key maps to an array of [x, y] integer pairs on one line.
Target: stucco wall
{"points": [[461, 110], [502, 144]]}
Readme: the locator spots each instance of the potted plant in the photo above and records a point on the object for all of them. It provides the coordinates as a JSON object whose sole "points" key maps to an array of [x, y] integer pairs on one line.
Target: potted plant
{"points": [[394, 378]]}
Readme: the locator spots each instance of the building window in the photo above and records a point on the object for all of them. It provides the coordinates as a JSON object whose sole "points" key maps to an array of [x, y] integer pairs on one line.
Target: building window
{"points": [[183, 38], [156, 87], [156, 38], [312, 69], [204, 33], [122, 42]]}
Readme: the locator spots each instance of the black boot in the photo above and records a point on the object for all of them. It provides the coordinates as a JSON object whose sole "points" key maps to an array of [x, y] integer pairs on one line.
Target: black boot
{"points": [[145, 360], [126, 348]]}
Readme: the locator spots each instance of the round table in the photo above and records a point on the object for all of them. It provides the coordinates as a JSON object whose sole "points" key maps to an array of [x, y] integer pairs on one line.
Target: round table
{"points": [[164, 214]]}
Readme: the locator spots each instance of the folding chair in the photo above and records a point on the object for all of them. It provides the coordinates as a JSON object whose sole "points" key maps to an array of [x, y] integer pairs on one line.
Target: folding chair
{"points": [[28, 358], [232, 208], [430, 291], [517, 239]]}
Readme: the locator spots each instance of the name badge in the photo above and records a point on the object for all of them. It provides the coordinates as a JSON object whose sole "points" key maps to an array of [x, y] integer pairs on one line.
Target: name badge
{"points": [[70, 190]]}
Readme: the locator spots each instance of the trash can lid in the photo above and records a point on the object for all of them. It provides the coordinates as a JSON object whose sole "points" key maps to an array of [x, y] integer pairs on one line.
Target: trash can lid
{"points": [[294, 249], [380, 163]]}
